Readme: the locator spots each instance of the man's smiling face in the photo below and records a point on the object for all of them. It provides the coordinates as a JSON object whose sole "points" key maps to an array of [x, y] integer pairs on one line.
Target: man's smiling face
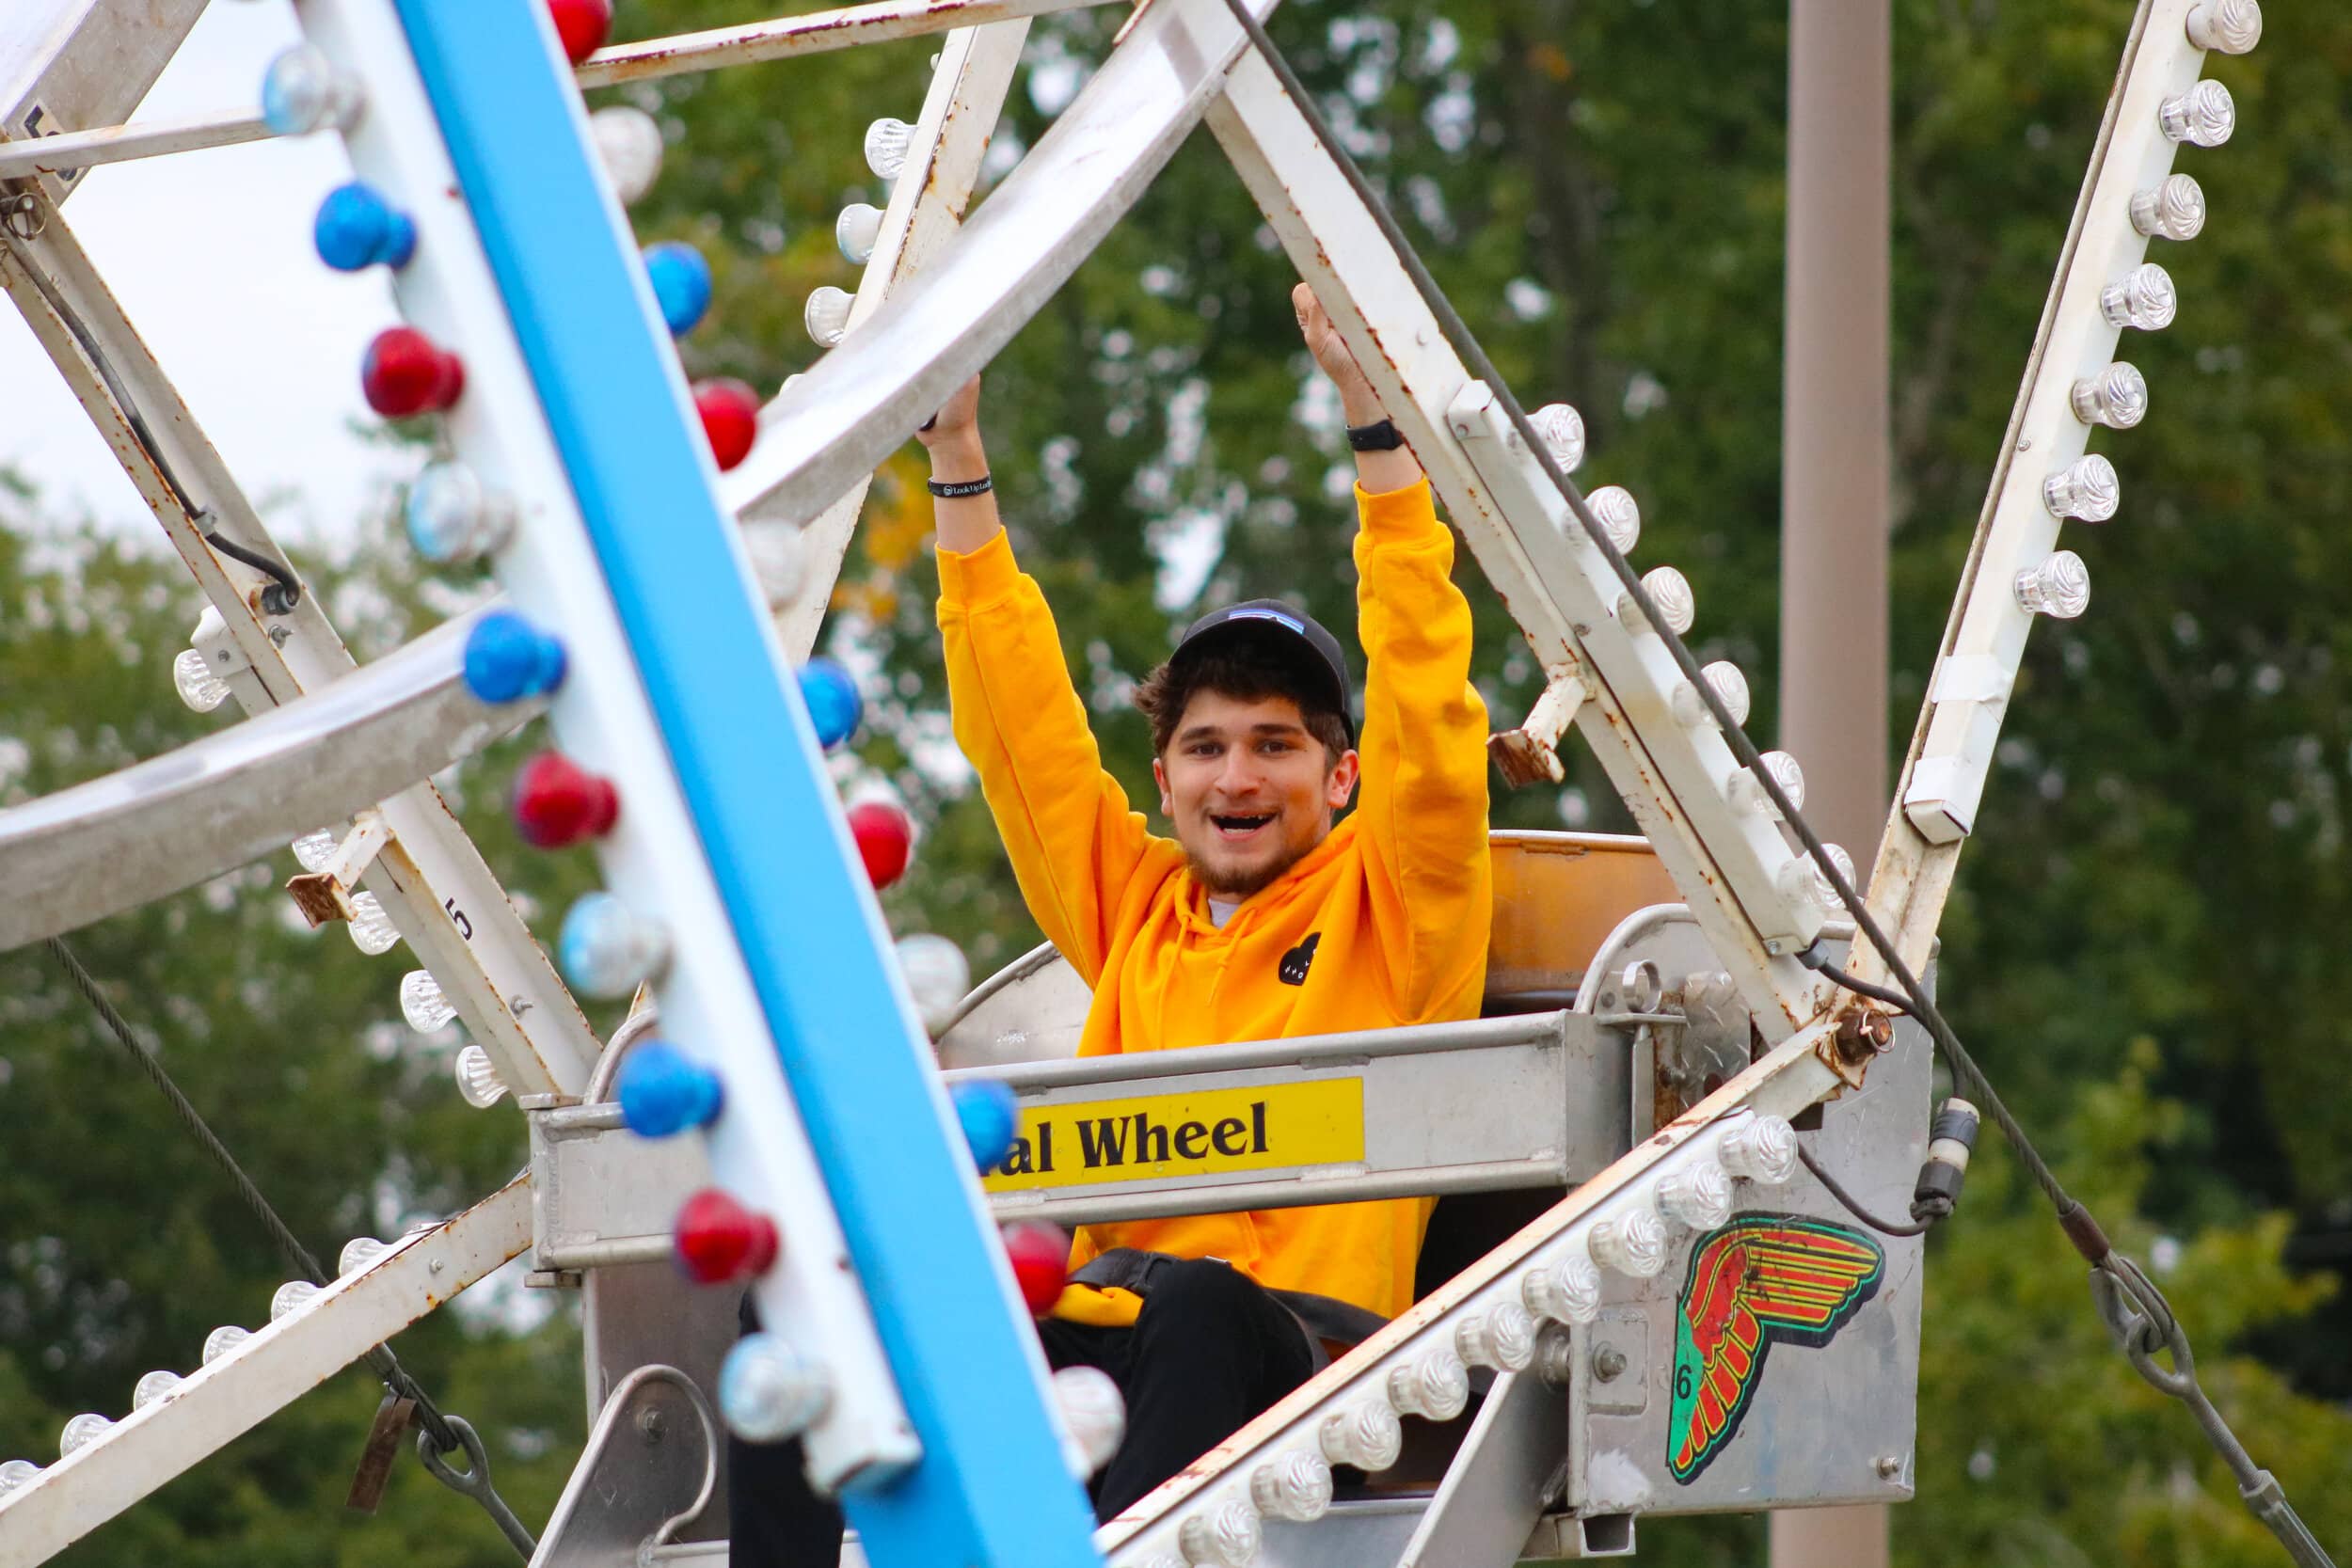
{"points": [[1248, 790]]}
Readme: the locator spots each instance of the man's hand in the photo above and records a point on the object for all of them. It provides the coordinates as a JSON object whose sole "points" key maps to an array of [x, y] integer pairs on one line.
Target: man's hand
{"points": [[1337, 360], [953, 437], [957, 421]]}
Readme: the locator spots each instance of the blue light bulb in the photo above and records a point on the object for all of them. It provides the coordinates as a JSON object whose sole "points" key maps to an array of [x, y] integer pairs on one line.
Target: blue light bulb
{"points": [[834, 704], [605, 950], [507, 658], [304, 92], [357, 227], [665, 1092], [681, 284], [990, 1114], [768, 1391]]}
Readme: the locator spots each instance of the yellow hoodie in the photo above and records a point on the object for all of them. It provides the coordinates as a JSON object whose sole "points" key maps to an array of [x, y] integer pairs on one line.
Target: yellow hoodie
{"points": [[1396, 899]]}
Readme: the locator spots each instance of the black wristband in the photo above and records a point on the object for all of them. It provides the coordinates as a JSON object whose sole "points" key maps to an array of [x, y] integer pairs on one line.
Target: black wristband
{"points": [[1379, 435], [955, 489]]}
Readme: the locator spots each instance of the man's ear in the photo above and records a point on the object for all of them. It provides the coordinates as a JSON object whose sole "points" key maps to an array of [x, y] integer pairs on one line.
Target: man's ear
{"points": [[1340, 783], [1159, 777]]}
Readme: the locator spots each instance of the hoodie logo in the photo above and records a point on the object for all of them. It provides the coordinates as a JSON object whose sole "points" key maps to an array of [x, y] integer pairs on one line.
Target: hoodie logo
{"points": [[1293, 970]]}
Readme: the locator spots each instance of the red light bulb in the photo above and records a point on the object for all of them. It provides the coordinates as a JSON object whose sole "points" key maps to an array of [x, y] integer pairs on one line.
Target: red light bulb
{"points": [[718, 1240], [730, 416], [885, 840], [581, 25], [558, 802], [1041, 1262], [406, 375]]}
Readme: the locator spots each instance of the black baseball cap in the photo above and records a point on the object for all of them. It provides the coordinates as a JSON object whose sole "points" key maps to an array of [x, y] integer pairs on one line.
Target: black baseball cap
{"points": [[1329, 658]]}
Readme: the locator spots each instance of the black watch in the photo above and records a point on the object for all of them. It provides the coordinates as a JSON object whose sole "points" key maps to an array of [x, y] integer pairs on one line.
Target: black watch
{"points": [[1379, 435]]}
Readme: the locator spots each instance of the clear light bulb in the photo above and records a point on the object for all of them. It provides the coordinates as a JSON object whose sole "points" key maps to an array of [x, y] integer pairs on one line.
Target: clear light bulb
{"points": [[1619, 513], [478, 1079], [452, 516], [1563, 432], [1631, 1241], [1568, 1291], [422, 1001], [1670, 591], [1698, 1195], [768, 1391], [779, 555], [153, 1387], [1730, 686], [16, 1473], [1367, 1437], [2058, 588], [199, 686], [2173, 211], [2117, 397], [1762, 1149], [1747, 794], [312, 850], [1502, 1338], [83, 1430], [1296, 1486], [2232, 27], [2145, 299], [630, 144], [2086, 489], [606, 950], [1801, 880], [359, 1252], [293, 1296], [221, 1341], [857, 230], [937, 975], [2202, 116], [1224, 1536], [886, 144], [1433, 1384], [372, 930], [827, 315], [304, 92], [1094, 1414]]}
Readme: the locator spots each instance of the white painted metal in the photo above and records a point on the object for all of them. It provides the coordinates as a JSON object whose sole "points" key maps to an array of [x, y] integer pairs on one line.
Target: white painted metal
{"points": [[284, 1360], [71, 151], [812, 33], [73, 65]]}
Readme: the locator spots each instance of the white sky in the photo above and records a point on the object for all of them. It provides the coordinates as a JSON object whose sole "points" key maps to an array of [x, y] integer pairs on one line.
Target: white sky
{"points": [[210, 255]]}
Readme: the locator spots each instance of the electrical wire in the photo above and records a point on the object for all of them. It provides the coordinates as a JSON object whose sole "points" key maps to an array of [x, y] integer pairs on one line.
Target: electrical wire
{"points": [[1853, 1205], [1893, 998]]}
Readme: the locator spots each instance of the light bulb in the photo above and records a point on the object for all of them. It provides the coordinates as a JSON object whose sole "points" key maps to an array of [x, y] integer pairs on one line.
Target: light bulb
{"points": [[886, 144], [1563, 432], [452, 516], [1670, 591], [1619, 513], [359, 1252], [1226, 1535], [716, 1240], [199, 686], [292, 1297], [357, 227], [559, 803], [681, 284], [221, 1341], [665, 1092], [2086, 489], [729, 412], [768, 1391], [884, 836], [827, 315], [404, 373], [989, 1112], [1502, 1338], [779, 555], [1296, 1486], [606, 950], [2173, 211], [1433, 1384], [1631, 1241], [2058, 588], [478, 1079], [936, 975], [2232, 27], [84, 1429], [1568, 1291], [2117, 397], [153, 1387], [1761, 1149], [2202, 116], [1730, 686], [16, 1473], [2145, 299], [372, 930], [1801, 880], [1094, 1414], [1747, 794], [1367, 1437], [832, 697], [630, 144], [1698, 1195], [1039, 1251], [304, 92], [422, 1001], [312, 850], [856, 231]]}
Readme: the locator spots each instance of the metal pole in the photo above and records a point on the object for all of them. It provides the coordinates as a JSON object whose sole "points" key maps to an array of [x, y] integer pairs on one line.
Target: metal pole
{"points": [[1834, 503]]}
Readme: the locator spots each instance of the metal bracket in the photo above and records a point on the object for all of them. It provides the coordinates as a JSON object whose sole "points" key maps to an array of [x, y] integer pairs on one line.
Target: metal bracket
{"points": [[1529, 756], [324, 894]]}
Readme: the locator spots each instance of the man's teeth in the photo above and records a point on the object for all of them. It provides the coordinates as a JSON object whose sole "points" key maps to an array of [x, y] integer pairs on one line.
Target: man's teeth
{"points": [[1241, 824]]}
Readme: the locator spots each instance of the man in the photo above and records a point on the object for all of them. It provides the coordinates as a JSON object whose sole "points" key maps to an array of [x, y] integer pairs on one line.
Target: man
{"points": [[1261, 919]]}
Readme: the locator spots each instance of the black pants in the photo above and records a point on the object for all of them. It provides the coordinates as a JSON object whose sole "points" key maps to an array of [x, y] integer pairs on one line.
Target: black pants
{"points": [[1210, 1351]]}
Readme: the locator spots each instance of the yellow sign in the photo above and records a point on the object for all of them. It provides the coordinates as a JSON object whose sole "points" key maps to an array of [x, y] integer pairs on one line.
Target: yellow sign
{"points": [[1206, 1133]]}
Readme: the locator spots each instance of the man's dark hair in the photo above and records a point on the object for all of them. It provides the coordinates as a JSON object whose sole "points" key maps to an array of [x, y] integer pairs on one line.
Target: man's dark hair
{"points": [[1247, 665]]}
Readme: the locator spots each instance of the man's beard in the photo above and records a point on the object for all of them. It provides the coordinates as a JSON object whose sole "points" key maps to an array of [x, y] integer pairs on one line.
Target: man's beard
{"points": [[1241, 885]]}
